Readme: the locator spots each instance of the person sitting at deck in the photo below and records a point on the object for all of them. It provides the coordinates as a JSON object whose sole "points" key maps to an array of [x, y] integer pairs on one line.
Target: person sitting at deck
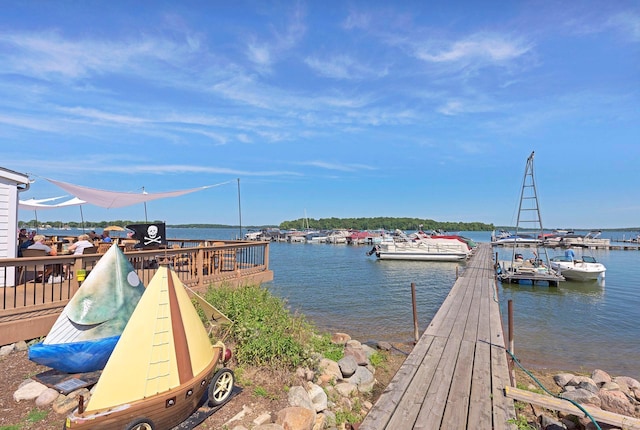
{"points": [[25, 242], [38, 240], [83, 242], [93, 236], [105, 237]]}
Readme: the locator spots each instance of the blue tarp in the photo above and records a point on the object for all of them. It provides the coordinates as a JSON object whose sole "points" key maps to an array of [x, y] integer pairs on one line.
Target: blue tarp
{"points": [[76, 357]]}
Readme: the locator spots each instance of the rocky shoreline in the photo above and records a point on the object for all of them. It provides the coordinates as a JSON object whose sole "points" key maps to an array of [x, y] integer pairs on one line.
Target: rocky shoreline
{"points": [[331, 393], [327, 395]]}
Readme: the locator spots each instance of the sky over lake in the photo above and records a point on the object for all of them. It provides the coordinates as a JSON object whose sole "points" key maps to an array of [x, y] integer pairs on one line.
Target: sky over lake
{"points": [[327, 109]]}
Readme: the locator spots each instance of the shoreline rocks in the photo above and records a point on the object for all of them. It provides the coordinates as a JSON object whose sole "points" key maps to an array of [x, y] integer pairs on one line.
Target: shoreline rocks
{"points": [[330, 388], [619, 395]]}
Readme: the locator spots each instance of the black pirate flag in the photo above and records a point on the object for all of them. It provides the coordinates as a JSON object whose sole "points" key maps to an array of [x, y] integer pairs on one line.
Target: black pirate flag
{"points": [[149, 235]]}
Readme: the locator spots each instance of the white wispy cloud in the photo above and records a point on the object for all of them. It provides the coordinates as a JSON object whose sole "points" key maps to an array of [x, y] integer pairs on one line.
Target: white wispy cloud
{"points": [[336, 166], [628, 23], [48, 53], [478, 47], [264, 50], [344, 67], [459, 106]]}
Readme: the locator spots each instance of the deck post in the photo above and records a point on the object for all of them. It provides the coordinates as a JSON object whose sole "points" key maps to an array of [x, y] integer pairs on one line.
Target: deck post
{"points": [[512, 370], [416, 334]]}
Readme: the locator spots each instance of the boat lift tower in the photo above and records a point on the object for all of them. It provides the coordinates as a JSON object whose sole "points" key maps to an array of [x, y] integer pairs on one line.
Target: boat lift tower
{"points": [[529, 222]]}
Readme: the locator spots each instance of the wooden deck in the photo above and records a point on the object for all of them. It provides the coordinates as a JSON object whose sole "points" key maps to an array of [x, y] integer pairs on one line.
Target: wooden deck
{"points": [[456, 374], [28, 308]]}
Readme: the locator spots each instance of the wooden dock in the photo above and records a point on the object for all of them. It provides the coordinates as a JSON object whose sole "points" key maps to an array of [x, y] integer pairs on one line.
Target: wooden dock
{"points": [[456, 374]]}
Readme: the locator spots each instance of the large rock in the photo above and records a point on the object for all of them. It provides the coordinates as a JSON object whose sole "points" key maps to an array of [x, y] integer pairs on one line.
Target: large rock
{"points": [[630, 382], [318, 397], [6, 349], [385, 346], [296, 418], [579, 379], [320, 423], [340, 338], [348, 366], [363, 379], [563, 379], [357, 353], [21, 345], [582, 396], [616, 402], [346, 389], [600, 377], [47, 397], [329, 371], [368, 350], [29, 390], [588, 385], [298, 396]]}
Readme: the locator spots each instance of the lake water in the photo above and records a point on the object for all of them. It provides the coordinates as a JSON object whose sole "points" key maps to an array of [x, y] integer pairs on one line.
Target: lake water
{"points": [[574, 326]]}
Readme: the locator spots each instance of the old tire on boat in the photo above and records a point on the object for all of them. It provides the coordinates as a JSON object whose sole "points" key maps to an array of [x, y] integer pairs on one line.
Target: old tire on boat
{"points": [[221, 387], [140, 424]]}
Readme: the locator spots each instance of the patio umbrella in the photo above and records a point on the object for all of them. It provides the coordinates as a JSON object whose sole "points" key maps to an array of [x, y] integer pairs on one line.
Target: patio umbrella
{"points": [[114, 228]]}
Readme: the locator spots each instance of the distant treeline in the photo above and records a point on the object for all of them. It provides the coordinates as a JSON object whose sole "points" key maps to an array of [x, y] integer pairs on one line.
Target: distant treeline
{"points": [[76, 224], [386, 223]]}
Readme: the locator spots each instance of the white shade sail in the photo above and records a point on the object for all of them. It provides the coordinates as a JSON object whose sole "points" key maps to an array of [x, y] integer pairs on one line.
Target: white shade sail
{"points": [[33, 204], [114, 199]]}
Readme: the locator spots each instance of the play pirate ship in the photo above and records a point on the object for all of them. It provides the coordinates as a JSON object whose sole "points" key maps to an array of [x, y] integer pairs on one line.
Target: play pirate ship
{"points": [[162, 368]]}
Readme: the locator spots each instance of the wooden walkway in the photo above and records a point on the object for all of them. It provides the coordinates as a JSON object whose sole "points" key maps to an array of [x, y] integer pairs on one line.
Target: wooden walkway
{"points": [[456, 374]]}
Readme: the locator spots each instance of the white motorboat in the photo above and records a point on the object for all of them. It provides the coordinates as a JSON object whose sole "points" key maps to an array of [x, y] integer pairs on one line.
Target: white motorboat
{"points": [[585, 269], [516, 239]]}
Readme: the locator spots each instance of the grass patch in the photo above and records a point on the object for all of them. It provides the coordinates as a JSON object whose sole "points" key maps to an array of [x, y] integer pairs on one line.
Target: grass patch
{"points": [[265, 332], [36, 415], [10, 427], [521, 423]]}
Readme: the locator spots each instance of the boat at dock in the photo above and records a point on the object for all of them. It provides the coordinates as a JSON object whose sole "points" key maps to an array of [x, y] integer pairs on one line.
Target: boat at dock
{"points": [[583, 269], [533, 269], [422, 247]]}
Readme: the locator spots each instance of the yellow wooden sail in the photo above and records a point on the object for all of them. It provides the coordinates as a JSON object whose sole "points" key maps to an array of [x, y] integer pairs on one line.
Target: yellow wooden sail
{"points": [[163, 345]]}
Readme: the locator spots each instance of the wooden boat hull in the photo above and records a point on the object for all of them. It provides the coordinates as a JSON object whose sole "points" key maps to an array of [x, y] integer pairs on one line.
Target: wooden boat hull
{"points": [[164, 410]]}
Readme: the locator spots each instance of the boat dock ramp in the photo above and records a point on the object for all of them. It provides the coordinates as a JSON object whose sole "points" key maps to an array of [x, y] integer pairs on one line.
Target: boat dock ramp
{"points": [[456, 375], [611, 246]]}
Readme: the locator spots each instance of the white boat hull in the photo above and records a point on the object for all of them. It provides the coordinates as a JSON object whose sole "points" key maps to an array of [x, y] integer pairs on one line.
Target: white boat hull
{"points": [[579, 271], [420, 256], [424, 250]]}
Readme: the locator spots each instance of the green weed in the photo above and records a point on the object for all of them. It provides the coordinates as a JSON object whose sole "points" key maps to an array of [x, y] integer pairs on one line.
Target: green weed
{"points": [[521, 423], [36, 415], [265, 332]]}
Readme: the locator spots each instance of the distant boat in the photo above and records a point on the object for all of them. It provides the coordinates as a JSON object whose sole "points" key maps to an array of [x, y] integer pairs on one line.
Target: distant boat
{"points": [[161, 368], [87, 330]]}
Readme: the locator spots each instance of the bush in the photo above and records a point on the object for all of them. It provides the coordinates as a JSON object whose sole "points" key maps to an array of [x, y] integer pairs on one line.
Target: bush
{"points": [[265, 332]]}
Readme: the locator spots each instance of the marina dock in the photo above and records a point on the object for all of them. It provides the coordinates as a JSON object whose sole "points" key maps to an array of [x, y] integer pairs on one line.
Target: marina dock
{"points": [[456, 374]]}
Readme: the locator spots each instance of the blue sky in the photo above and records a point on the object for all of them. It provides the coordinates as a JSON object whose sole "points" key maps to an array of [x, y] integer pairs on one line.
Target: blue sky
{"points": [[329, 109]]}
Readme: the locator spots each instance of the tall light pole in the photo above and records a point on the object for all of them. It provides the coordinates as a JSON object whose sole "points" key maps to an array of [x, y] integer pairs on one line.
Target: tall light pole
{"points": [[239, 210]]}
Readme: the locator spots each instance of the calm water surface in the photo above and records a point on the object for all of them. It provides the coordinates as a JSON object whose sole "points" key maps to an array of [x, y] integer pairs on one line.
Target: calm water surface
{"points": [[576, 325]]}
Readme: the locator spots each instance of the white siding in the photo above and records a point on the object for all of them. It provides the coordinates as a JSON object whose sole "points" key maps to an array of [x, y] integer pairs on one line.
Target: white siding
{"points": [[9, 182]]}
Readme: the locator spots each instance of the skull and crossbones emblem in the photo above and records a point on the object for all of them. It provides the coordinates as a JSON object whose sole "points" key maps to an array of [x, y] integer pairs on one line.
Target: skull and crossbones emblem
{"points": [[152, 235]]}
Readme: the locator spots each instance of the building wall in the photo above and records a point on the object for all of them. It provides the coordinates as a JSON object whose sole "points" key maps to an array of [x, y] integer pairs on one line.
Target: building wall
{"points": [[10, 184]]}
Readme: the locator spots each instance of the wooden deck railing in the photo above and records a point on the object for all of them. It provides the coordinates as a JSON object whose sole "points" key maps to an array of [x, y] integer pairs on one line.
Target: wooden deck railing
{"points": [[30, 303]]}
